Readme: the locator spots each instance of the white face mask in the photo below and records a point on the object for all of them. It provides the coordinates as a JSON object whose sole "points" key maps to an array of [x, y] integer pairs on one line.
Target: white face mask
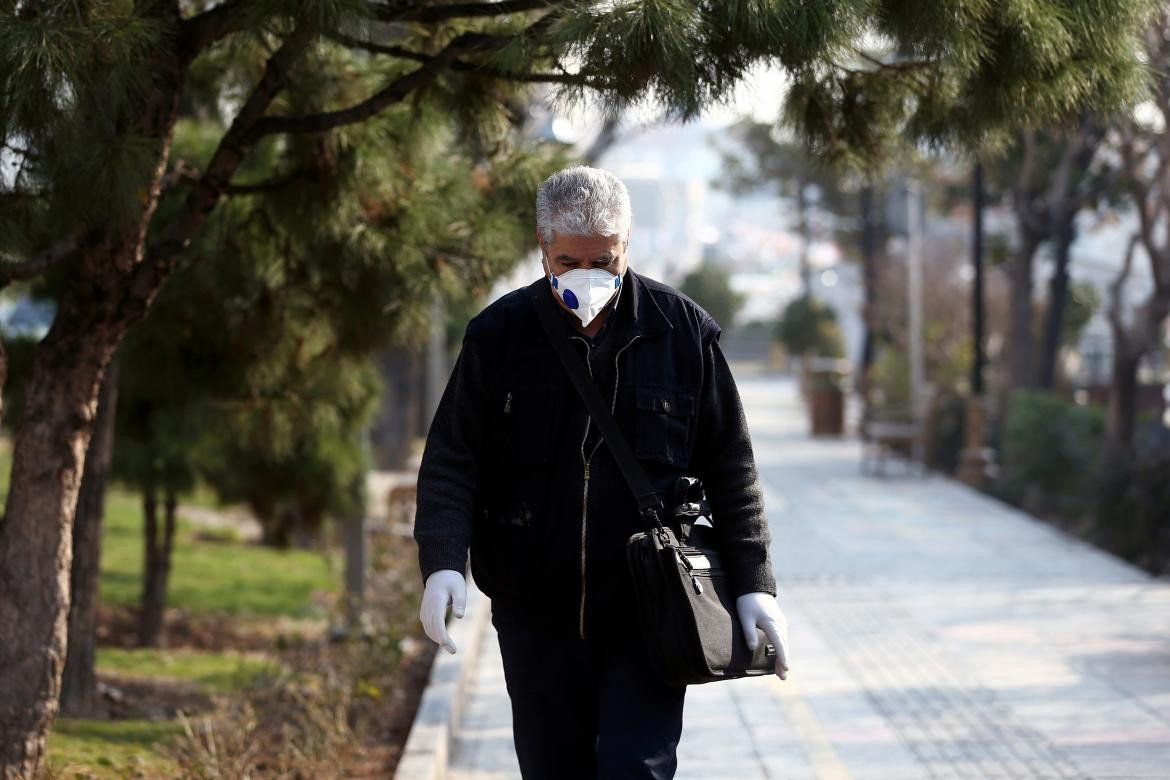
{"points": [[585, 291]]}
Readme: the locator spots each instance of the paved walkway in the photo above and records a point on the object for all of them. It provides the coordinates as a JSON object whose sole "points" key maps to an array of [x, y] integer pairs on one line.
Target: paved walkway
{"points": [[935, 633]]}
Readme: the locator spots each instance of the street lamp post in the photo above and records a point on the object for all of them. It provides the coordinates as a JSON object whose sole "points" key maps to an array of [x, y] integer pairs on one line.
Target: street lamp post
{"points": [[973, 460], [914, 293]]}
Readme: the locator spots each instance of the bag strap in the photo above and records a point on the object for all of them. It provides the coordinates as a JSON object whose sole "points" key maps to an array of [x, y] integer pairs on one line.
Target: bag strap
{"points": [[649, 504]]}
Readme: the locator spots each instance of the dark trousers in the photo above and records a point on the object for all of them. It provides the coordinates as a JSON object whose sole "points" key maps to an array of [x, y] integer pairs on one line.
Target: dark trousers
{"points": [[589, 709]]}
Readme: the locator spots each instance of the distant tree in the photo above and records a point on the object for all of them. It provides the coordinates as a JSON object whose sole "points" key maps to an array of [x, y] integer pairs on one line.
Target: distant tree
{"points": [[1048, 177], [1144, 171], [710, 286], [758, 157]]}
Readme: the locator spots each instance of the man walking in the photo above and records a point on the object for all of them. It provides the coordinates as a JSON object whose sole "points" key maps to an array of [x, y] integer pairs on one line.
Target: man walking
{"points": [[516, 472]]}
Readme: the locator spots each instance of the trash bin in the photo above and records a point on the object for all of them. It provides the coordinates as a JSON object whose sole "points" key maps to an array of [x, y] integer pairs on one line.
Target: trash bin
{"points": [[826, 395]]}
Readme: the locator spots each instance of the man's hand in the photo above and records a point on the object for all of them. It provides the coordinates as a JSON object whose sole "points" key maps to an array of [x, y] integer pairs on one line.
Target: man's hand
{"points": [[445, 586], [760, 610]]}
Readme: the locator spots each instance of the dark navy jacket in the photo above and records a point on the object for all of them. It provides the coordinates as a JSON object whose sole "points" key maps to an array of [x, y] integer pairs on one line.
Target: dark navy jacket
{"points": [[515, 472]]}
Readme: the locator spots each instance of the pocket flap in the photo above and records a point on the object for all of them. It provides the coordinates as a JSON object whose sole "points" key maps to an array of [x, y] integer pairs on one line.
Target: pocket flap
{"points": [[513, 513], [658, 399]]}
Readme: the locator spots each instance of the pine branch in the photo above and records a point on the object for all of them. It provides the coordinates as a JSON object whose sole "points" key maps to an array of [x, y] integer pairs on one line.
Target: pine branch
{"points": [[162, 255], [392, 93], [397, 89], [461, 65], [13, 269], [277, 183], [202, 30], [908, 68], [429, 14]]}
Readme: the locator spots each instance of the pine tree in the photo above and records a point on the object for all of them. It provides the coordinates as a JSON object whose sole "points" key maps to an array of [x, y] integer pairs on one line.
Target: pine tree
{"points": [[90, 94]]}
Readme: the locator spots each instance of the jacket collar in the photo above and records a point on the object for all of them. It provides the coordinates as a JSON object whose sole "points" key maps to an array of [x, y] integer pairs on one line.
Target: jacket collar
{"points": [[646, 316]]}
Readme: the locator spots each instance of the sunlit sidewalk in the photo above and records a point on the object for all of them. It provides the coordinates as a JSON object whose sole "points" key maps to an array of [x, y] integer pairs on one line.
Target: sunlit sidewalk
{"points": [[934, 632]]}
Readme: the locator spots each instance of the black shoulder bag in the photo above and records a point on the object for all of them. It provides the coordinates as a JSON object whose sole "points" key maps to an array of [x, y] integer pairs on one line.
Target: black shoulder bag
{"points": [[685, 603]]}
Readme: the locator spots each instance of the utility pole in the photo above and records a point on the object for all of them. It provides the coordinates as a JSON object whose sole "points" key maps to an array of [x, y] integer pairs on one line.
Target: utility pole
{"points": [[869, 276], [355, 547], [803, 228], [914, 296], [974, 458], [437, 368]]}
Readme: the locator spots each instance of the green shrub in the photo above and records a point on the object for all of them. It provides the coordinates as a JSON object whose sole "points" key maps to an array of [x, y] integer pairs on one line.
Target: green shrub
{"points": [[889, 380], [810, 326], [1050, 451], [948, 433], [1133, 500]]}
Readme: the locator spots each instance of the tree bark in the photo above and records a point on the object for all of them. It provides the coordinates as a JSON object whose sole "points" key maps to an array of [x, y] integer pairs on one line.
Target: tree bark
{"points": [[79, 683], [36, 535]]}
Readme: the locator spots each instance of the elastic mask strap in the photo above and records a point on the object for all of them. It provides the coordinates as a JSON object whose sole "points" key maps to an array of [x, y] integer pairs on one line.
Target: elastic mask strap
{"points": [[552, 279]]}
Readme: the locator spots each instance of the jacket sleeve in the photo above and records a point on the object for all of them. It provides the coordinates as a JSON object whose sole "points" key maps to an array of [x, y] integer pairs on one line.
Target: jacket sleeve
{"points": [[448, 475], [727, 467]]}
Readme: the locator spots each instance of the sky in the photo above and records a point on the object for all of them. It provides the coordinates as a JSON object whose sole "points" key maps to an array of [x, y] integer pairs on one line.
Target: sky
{"points": [[759, 95]]}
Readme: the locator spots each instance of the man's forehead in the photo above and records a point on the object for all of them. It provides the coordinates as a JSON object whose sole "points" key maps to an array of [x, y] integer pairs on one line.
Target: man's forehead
{"points": [[585, 247], [607, 254]]}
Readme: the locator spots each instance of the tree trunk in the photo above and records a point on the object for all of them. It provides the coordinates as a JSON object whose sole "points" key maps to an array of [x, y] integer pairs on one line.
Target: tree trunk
{"points": [[1020, 349], [79, 684], [156, 565], [1057, 303], [1121, 411], [1129, 346], [36, 536]]}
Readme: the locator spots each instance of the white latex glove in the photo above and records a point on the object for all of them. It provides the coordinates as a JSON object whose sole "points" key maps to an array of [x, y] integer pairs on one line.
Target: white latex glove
{"points": [[445, 586], [763, 611]]}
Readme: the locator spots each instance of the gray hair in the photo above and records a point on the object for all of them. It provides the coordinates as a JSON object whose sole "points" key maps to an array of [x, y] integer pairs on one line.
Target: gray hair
{"points": [[582, 201]]}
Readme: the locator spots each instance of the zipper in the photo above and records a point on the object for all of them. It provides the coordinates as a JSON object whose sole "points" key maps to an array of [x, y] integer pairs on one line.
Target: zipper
{"points": [[508, 403], [586, 458], [584, 503], [693, 571], [584, 496]]}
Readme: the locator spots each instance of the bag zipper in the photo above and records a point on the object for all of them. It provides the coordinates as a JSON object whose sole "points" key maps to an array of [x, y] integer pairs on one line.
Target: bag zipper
{"points": [[694, 572]]}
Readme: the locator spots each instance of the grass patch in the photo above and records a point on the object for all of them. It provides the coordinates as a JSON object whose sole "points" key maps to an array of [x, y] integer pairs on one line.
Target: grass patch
{"points": [[212, 575], [214, 672], [208, 573], [111, 748]]}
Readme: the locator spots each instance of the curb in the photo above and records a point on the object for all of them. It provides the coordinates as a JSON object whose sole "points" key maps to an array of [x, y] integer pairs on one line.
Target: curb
{"points": [[428, 746]]}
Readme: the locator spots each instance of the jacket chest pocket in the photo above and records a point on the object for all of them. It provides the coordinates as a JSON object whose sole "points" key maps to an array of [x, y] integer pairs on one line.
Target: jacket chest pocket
{"points": [[526, 423], [662, 424]]}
